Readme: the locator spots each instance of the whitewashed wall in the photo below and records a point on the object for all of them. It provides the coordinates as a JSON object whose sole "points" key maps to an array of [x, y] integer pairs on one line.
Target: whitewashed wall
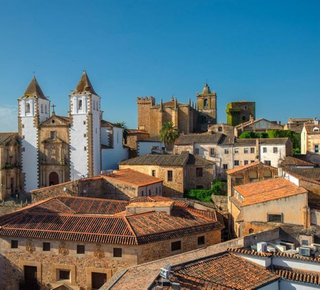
{"points": [[145, 147]]}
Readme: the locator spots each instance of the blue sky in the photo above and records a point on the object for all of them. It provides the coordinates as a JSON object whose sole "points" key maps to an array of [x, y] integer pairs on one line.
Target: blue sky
{"points": [[262, 51]]}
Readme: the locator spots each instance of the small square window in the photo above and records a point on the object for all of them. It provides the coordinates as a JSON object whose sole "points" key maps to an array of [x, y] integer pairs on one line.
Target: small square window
{"points": [[316, 148], [117, 252], [196, 151], [153, 172], [252, 150], [246, 162], [201, 240], [211, 151], [14, 244], [46, 247], [226, 151], [64, 275], [267, 162], [170, 175], [199, 172], [80, 249], [176, 246], [236, 163], [225, 166], [264, 149], [276, 218], [246, 150], [275, 149], [236, 150], [304, 243], [53, 134]]}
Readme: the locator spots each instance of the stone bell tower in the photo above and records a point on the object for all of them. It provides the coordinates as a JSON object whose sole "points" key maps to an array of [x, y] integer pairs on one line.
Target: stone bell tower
{"points": [[207, 104], [34, 108]]}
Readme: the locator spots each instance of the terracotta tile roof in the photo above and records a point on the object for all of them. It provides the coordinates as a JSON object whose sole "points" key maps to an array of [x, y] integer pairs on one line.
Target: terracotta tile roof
{"points": [[309, 173], [157, 198], [190, 139], [262, 141], [6, 137], [267, 190], [33, 90], [298, 276], [197, 160], [97, 220], [311, 126], [84, 86], [240, 168], [161, 160], [223, 271], [133, 177], [292, 161], [249, 252]]}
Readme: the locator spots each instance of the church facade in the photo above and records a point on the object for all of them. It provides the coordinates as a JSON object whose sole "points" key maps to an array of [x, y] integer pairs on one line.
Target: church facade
{"points": [[187, 118], [56, 149]]}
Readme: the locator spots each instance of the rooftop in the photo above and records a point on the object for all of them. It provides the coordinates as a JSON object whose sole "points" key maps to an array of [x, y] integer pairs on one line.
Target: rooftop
{"points": [[240, 168], [7, 137], [189, 139], [267, 190], [292, 161], [99, 221], [33, 90], [262, 141], [132, 177], [84, 86]]}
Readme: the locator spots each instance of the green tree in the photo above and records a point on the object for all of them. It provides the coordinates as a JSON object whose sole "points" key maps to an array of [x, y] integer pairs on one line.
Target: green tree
{"points": [[248, 135], [168, 134]]}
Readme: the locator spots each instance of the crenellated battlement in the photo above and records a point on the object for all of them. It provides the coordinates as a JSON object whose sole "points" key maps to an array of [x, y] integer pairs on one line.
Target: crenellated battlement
{"points": [[146, 100]]}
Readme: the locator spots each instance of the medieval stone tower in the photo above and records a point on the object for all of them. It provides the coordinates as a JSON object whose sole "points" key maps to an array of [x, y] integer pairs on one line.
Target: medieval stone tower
{"points": [[85, 130], [207, 105], [34, 108]]}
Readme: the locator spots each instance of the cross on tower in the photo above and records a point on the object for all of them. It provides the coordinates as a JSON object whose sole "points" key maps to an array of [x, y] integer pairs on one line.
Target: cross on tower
{"points": [[53, 106]]}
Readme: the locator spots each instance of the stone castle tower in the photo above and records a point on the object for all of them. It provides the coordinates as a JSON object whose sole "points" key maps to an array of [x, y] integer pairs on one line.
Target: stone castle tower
{"points": [[34, 108], [85, 130], [207, 104]]}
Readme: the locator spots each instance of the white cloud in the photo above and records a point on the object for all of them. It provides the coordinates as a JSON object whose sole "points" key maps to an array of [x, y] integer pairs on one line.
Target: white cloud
{"points": [[8, 119]]}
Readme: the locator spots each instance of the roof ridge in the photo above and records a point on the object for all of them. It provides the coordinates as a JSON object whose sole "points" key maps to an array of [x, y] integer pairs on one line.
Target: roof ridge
{"points": [[132, 230]]}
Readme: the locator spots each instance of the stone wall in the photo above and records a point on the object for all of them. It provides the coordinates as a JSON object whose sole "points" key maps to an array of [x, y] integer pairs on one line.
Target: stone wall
{"points": [[162, 249], [193, 181], [174, 188]]}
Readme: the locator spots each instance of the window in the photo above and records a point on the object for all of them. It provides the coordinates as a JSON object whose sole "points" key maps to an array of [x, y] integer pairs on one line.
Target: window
{"points": [[84, 122], [276, 218], [176, 246], [80, 249], [117, 252], [252, 161], [226, 151], [199, 172], [93, 105], [225, 166], [304, 243], [53, 134], [153, 172], [85, 148], [252, 150], [27, 108], [45, 109], [267, 162], [84, 135], [169, 175], [316, 148], [156, 190], [246, 150], [201, 240], [199, 186], [236, 150], [243, 118], [236, 163], [211, 151], [251, 231], [41, 108], [246, 162], [205, 103], [275, 149], [98, 280], [219, 129], [196, 151], [149, 191], [46, 247], [264, 149], [80, 105], [14, 244], [64, 275]]}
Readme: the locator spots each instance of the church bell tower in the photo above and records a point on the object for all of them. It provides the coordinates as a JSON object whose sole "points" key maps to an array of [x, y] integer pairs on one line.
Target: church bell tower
{"points": [[34, 108], [207, 104]]}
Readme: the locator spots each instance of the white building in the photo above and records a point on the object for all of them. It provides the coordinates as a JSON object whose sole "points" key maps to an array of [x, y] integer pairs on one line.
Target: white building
{"points": [[91, 149]]}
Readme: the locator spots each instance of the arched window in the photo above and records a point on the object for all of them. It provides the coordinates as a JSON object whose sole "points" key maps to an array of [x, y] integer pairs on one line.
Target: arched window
{"points": [[80, 105], [205, 102], [253, 175], [27, 108], [220, 129], [41, 108]]}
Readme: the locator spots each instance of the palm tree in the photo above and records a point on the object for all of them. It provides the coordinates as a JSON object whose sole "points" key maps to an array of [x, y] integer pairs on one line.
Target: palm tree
{"points": [[168, 134]]}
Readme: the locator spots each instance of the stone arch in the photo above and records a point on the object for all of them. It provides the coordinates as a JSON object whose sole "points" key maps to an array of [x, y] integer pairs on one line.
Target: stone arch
{"points": [[267, 174], [253, 175], [80, 104], [205, 103], [28, 109], [53, 178]]}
